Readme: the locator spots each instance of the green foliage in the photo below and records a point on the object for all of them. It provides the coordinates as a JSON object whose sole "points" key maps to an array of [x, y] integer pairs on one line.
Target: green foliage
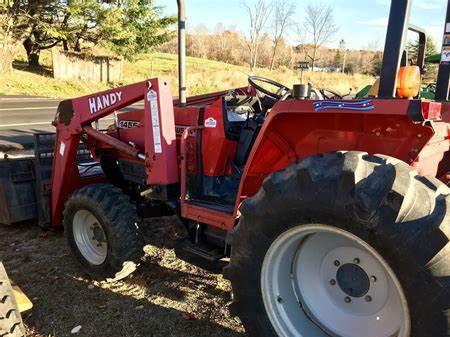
{"points": [[127, 27], [377, 63], [136, 27], [430, 49], [338, 59], [413, 49], [12, 20]]}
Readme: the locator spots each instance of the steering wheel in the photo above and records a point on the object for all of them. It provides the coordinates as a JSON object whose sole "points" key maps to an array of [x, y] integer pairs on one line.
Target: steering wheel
{"points": [[330, 94], [282, 89]]}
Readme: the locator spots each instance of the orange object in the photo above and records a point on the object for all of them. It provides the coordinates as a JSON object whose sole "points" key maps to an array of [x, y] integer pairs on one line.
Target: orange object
{"points": [[408, 82]]}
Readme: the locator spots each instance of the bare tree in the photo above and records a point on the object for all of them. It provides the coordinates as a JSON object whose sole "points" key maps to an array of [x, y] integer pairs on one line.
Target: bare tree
{"points": [[321, 27], [283, 12], [258, 12], [197, 42]]}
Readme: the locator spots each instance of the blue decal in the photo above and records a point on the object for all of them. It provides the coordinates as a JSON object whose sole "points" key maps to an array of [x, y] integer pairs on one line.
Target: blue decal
{"points": [[357, 105]]}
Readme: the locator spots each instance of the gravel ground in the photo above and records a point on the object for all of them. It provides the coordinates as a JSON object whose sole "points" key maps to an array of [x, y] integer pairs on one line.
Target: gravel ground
{"points": [[166, 297]]}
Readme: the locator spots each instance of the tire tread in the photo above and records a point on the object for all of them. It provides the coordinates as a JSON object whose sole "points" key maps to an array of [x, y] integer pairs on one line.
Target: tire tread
{"points": [[121, 218], [372, 190], [11, 324]]}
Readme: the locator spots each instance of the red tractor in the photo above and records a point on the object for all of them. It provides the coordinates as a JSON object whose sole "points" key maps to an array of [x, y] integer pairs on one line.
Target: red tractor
{"points": [[335, 213]]}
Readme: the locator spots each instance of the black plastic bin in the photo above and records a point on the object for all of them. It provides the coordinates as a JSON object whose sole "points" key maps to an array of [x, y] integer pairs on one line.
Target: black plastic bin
{"points": [[25, 184], [17, 191]]}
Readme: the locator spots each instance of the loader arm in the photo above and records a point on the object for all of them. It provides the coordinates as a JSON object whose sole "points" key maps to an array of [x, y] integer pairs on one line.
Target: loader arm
{"points": [[73, 124]]}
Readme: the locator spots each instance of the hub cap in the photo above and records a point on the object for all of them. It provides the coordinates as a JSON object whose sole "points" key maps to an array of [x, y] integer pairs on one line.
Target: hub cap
{"points": [[90, 237], [320, 281], [353, 280]]}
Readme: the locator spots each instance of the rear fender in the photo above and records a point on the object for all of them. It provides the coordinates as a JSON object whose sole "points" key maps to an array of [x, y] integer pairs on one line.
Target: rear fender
{"points": [[298, 129]]}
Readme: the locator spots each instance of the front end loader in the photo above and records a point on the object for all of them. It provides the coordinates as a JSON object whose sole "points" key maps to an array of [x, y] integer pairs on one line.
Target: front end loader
{"points": [[334, 213]]}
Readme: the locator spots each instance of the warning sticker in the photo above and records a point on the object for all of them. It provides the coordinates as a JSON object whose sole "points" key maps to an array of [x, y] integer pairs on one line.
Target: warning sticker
{"points": [[152, 98], [446, 40], [445, 58], [210, 123], [62, 149]]}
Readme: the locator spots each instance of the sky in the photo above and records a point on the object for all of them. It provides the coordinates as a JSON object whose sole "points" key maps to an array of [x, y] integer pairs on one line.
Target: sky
{"points": [[362, 23]]}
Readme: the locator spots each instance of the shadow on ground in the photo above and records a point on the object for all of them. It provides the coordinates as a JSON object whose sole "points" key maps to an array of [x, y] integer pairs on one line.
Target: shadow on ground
{"points": [[166, 297], [22, 65]]}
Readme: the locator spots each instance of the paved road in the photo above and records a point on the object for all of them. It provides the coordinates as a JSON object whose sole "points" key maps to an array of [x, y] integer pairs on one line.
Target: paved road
{"points": [[22, 116]]}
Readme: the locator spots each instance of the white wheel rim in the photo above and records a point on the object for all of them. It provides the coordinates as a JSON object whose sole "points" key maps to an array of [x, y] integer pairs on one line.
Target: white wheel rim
{"points": [[320, 281], [90, 237]]}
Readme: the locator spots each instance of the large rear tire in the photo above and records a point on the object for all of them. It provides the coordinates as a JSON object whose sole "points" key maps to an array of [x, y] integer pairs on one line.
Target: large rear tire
{"points": [[11, 324], [102, 229], [345, 245]]}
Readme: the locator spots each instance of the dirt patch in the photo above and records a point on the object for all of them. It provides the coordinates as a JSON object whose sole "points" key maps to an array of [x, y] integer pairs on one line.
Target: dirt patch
{"points": [[166, 297]]}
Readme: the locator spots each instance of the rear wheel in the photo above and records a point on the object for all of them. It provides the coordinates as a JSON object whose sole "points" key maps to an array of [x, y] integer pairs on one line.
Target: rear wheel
{"points": [[317, 264], [343, 245], [101, 227], [10, 320]]}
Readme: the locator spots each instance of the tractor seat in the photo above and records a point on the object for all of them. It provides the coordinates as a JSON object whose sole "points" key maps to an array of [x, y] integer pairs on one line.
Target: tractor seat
{"points": [[237, 110], [246, 140]]}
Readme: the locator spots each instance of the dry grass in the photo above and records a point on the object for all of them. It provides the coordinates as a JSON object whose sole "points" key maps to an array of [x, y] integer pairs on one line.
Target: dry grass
{"points": [[166, 297], [203, 76], [27, 83], [22, 81], [206, 75]]}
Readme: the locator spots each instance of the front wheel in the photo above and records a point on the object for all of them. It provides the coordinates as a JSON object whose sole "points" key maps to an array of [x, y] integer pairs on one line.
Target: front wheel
{"points": [[343, 245], [102, 229]]}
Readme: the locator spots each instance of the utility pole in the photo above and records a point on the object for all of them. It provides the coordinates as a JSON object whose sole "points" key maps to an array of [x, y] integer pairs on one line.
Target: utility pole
{"points": [[344, 50]]}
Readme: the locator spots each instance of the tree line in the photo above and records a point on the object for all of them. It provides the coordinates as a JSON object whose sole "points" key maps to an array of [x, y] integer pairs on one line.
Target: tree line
{"points": [[277, 17], [266, 45], [275, 39], [317, 28], [129, 27]]}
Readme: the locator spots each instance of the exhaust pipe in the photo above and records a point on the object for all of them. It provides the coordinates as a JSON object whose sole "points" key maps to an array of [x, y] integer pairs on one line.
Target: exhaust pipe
{"points": [[182, 90]]}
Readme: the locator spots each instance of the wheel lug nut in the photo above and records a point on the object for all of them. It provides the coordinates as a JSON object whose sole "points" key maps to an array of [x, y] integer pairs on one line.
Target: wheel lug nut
{"points": [[357, 261], [333, 282], [279, 299], [373, 279], [337, 263], [368, 298], [348, 300]]}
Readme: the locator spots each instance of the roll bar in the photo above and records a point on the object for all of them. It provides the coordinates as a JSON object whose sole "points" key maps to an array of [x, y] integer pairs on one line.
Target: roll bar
{"points": [[393, 50], [395, 45], [422, 45], [443, 80]]}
